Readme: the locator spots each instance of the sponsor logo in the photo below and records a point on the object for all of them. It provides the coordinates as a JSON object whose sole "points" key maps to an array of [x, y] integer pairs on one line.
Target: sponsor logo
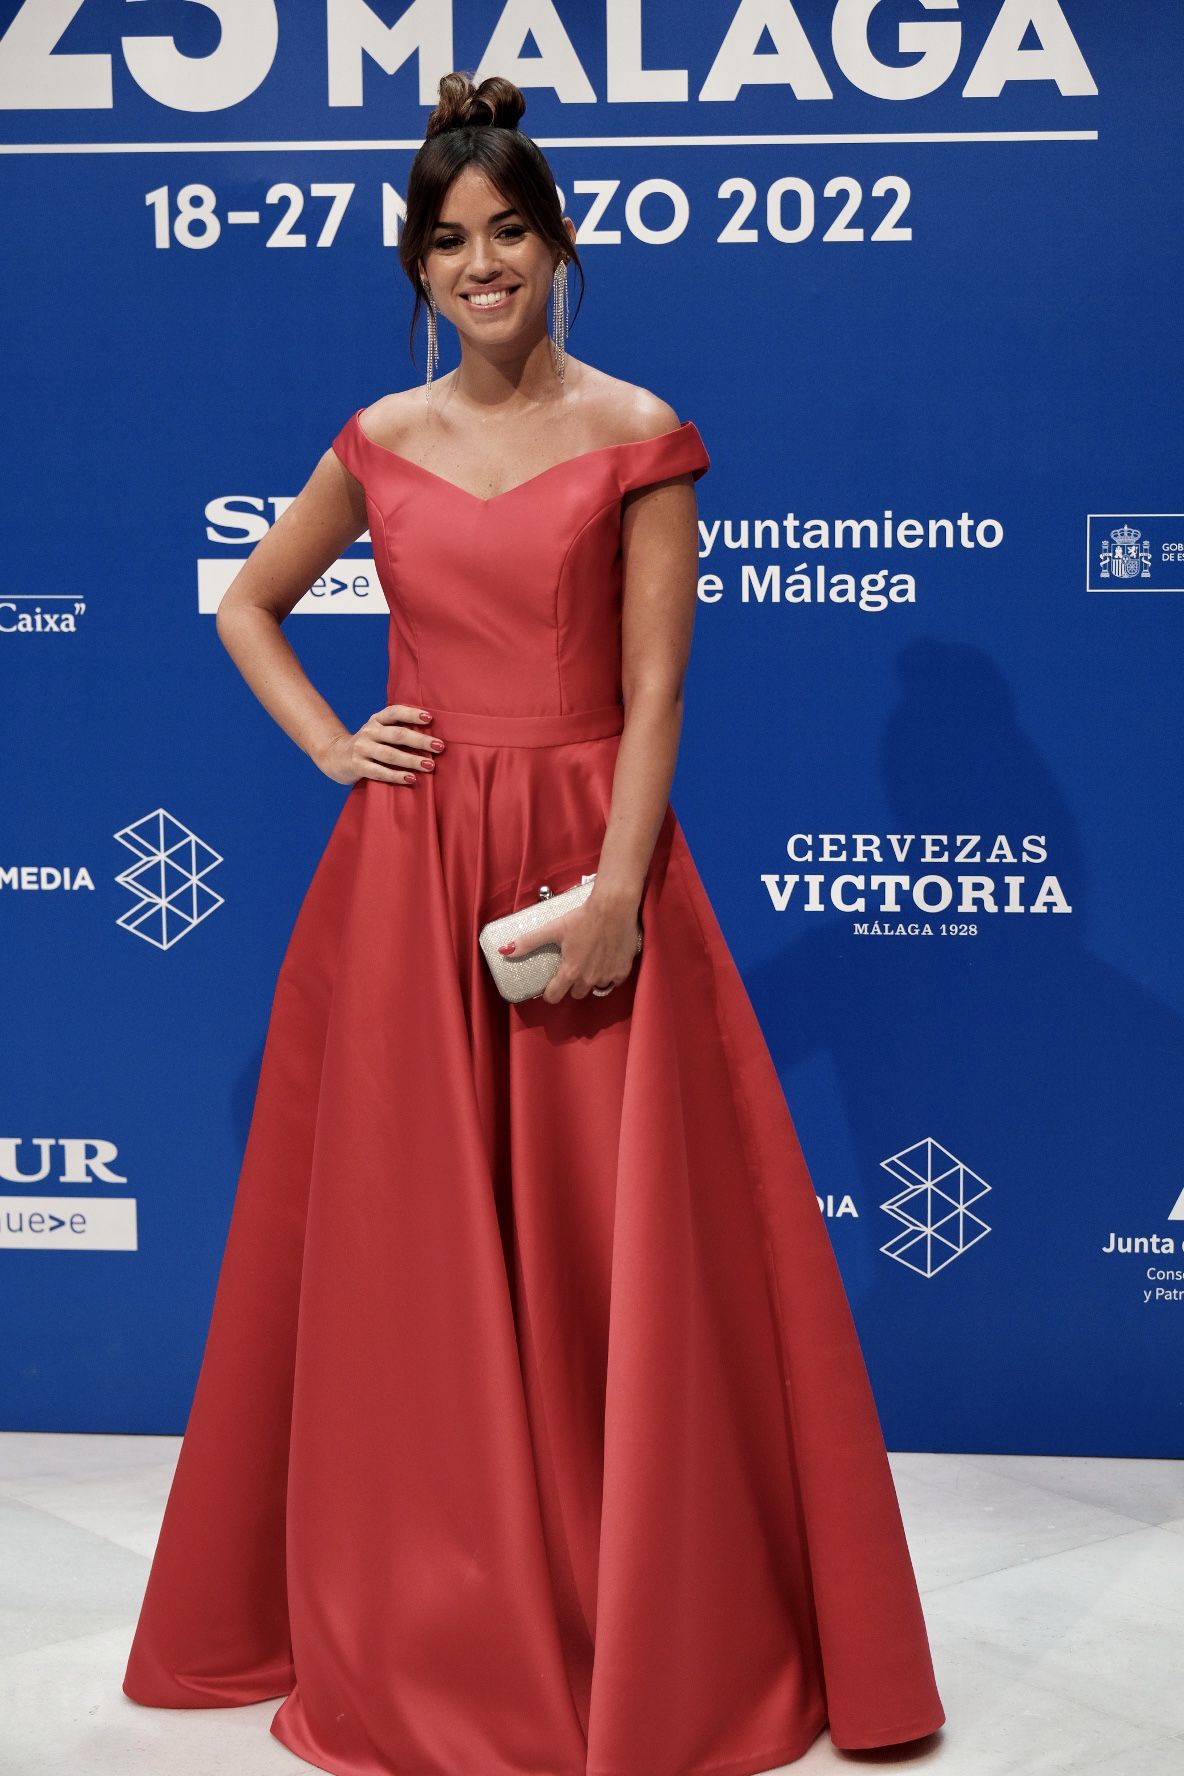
{"points": [[933, 1207], [168, 879], [349, 588], [63, 1221], [1134, 552], [981, 875], [38, 878], [40, 613], [69, 1223], [1160, 1283]]}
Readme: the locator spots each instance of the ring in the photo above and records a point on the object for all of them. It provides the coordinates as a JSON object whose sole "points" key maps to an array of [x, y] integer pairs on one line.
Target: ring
{"points": [[600, 992]]}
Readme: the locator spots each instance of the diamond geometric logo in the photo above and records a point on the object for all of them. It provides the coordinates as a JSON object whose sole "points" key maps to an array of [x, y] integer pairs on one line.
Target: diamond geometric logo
{"points": [[167, 881], [933, 1206]]}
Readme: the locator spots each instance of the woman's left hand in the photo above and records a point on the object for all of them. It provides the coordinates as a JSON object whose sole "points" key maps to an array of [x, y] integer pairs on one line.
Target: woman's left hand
{"points": [[597, 947]]}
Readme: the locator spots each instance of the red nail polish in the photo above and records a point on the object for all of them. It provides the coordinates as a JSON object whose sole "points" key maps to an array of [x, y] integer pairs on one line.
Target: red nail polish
{"points": [[504, 947]]}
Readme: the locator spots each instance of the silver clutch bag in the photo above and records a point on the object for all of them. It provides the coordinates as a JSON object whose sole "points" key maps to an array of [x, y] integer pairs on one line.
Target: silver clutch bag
{"points": [[525, 977]]}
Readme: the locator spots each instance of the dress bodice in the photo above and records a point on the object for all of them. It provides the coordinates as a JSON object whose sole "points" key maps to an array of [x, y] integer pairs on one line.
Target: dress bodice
{"points": [[510, 604]]}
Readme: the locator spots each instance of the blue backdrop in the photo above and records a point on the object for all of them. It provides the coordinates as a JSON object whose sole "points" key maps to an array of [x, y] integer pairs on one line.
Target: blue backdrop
{"points": [[913, 268]]}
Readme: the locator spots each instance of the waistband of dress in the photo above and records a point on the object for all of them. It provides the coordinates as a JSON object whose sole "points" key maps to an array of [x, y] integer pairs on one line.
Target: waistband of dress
{"points": [[526, 730]]}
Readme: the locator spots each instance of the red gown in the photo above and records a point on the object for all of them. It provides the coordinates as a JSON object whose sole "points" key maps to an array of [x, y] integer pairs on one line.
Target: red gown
{"points": [[533, 1435]]}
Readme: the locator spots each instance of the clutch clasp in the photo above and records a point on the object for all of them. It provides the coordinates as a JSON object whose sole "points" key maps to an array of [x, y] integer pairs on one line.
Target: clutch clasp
{"points": [[545, 892]]}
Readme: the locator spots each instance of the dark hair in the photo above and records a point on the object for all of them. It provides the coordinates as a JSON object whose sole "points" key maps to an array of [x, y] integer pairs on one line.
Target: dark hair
{"points": [[478, 126]]}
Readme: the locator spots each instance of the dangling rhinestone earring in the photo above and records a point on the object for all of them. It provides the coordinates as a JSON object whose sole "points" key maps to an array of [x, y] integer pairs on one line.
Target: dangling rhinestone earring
{"points": [[559, 312], [433, 336]]}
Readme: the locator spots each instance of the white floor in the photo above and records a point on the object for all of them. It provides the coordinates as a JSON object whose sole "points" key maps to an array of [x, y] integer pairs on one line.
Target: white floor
{"points": [[1053, 1591]]}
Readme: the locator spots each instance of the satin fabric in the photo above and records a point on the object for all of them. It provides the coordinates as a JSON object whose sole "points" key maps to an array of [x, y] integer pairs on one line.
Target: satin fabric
{"points": [[533, 1435]]}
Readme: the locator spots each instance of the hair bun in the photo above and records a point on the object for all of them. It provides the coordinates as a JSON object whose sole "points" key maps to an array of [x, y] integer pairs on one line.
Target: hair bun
{"points": [[495, 102]]}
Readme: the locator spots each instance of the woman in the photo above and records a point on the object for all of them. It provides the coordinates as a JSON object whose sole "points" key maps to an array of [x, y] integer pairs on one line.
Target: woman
{"points": [[532, 1432]]}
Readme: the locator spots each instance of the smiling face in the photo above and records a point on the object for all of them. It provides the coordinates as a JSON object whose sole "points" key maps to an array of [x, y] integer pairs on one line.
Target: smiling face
{"points": [[488, 270]]}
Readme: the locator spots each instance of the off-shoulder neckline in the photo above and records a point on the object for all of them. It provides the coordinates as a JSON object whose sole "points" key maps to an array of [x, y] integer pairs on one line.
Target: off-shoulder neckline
{"points": [[687, 426]]}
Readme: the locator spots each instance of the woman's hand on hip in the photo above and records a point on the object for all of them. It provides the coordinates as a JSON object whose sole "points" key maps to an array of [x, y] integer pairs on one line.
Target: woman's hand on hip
{"points": [[392, 746]]}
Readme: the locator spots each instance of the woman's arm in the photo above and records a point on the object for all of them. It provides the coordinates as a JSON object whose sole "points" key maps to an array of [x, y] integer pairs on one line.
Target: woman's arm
{"points": [[326, 516], [660, 550]]}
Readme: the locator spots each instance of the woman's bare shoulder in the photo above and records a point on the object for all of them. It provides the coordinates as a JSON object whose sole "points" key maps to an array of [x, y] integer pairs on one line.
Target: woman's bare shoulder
{"points": [[629, 413], [614, 412], [391, 418]]}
